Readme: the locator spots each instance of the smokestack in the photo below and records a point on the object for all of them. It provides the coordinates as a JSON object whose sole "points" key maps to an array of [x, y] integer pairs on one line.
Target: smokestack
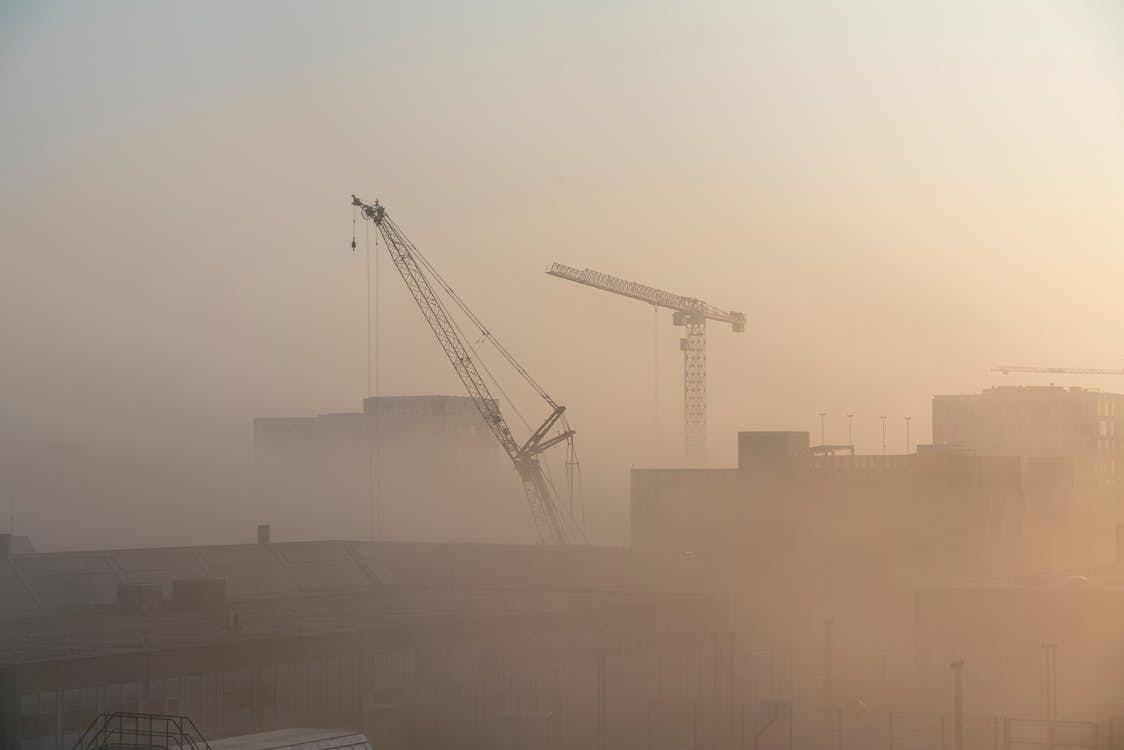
{"points": [[263, 533]]}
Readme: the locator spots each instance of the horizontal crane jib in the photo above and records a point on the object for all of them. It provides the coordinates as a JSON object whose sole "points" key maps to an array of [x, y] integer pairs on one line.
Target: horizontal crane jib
{"points": [[644, 293]]}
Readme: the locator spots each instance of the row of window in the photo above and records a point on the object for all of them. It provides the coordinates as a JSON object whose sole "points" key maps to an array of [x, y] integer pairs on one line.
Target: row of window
{"points": [[54, 720]]}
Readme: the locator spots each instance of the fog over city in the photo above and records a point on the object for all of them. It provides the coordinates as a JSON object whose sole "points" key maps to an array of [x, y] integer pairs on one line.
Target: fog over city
{"points": [[714, 375]]}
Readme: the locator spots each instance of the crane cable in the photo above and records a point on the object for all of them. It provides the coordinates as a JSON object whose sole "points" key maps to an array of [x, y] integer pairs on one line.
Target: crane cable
{"points": [[486, 335], [485, 332], [426, 265]]}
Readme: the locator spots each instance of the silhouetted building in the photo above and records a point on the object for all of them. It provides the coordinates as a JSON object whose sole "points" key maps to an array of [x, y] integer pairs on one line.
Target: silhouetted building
{"points": [[1039, 422], [1006, 629], [414, 644], [421, 468], [945, 510]]}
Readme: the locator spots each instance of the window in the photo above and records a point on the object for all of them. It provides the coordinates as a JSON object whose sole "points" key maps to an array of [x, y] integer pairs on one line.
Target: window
{"points": [[46, 722], [193, 696], [267, 692], [130, 696], [349, 681], [210, 691], [332, 683], [300, 688], [173, 701], [73, 718], [237, 696], [284, 690], [316, 686]]}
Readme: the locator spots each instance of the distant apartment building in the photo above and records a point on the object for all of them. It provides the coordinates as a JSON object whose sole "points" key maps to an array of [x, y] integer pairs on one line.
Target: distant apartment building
{"points": [[1084, 425], [406, 467]]}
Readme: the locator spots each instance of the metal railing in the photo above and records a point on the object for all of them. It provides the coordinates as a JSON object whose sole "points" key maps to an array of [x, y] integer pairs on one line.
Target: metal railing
{"points": [[126, 731]]}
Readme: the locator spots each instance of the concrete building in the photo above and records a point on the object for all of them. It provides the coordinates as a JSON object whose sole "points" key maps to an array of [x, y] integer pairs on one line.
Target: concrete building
{"points": [[1041, 645], [422, 468], [956, 512], [1084, 425], [452, 645], [800, 538]]}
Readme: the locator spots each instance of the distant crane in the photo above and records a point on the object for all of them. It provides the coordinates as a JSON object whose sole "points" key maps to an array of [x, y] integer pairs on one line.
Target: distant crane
{"points": [[552, 523], [686, 311], [1007, 370]]}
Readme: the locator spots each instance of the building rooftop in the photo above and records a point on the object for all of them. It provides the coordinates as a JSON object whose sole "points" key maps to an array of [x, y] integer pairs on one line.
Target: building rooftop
{"points": [[46, 583], [98, 633], [63, 604], [1098, 578], [296, 739]]}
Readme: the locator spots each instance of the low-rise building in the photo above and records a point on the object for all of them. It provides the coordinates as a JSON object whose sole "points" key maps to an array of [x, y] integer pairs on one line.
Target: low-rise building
{"points": [[408, 643]]}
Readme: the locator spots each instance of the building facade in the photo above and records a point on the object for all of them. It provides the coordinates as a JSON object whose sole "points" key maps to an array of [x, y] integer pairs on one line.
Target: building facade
{"points": [[1039, 422], [412, 644], [422, 468]]}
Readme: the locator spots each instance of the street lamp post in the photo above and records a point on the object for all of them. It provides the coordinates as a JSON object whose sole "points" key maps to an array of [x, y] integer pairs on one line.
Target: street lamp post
{"points": [[1050, 650], [959, 737], [828, 623]]}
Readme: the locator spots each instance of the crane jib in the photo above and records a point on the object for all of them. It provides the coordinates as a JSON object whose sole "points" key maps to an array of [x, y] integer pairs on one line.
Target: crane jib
{"points": [[550, 522]]}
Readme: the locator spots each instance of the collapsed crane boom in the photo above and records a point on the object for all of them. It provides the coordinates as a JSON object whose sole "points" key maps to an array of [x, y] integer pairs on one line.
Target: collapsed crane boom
{"points": [[551, 523], [688, 312]]}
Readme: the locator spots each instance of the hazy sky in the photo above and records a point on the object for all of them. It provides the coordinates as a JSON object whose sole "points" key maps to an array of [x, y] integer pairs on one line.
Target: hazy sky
{"points": [[899, 195]]}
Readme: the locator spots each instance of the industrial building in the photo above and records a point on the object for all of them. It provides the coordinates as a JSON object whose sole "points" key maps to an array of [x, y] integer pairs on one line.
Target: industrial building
{"points": [[1044, 644], [409, 643], [1084, 425], [380, 461], [799, 538], [946, 510]]}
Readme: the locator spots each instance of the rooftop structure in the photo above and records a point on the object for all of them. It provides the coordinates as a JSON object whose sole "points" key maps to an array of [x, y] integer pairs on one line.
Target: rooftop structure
{"points": [[1041, 421]]}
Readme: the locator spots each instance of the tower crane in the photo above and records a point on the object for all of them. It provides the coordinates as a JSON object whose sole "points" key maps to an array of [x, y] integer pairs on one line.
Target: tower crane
{"points": [[552, 523], [1007, 370], [688, 312]]}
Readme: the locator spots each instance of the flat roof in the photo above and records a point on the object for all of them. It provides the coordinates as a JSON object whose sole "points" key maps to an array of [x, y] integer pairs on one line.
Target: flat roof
{"points": [[295, 738], [85, 634], [1097, 578], [51, 583]]}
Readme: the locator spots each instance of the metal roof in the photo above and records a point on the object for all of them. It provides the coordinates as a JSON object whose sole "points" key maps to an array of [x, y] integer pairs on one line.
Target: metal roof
{"points": [[50, 583], [296, 739]]}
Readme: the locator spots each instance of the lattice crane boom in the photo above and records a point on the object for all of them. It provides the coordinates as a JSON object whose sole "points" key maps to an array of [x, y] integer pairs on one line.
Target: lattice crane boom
{"points": [[644, 293], [1057, 370], [689, 312], [551, 522]]}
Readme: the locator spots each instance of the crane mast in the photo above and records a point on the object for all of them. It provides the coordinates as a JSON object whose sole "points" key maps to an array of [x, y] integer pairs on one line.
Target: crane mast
{"points": [[551, 523], [689, 312]]}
